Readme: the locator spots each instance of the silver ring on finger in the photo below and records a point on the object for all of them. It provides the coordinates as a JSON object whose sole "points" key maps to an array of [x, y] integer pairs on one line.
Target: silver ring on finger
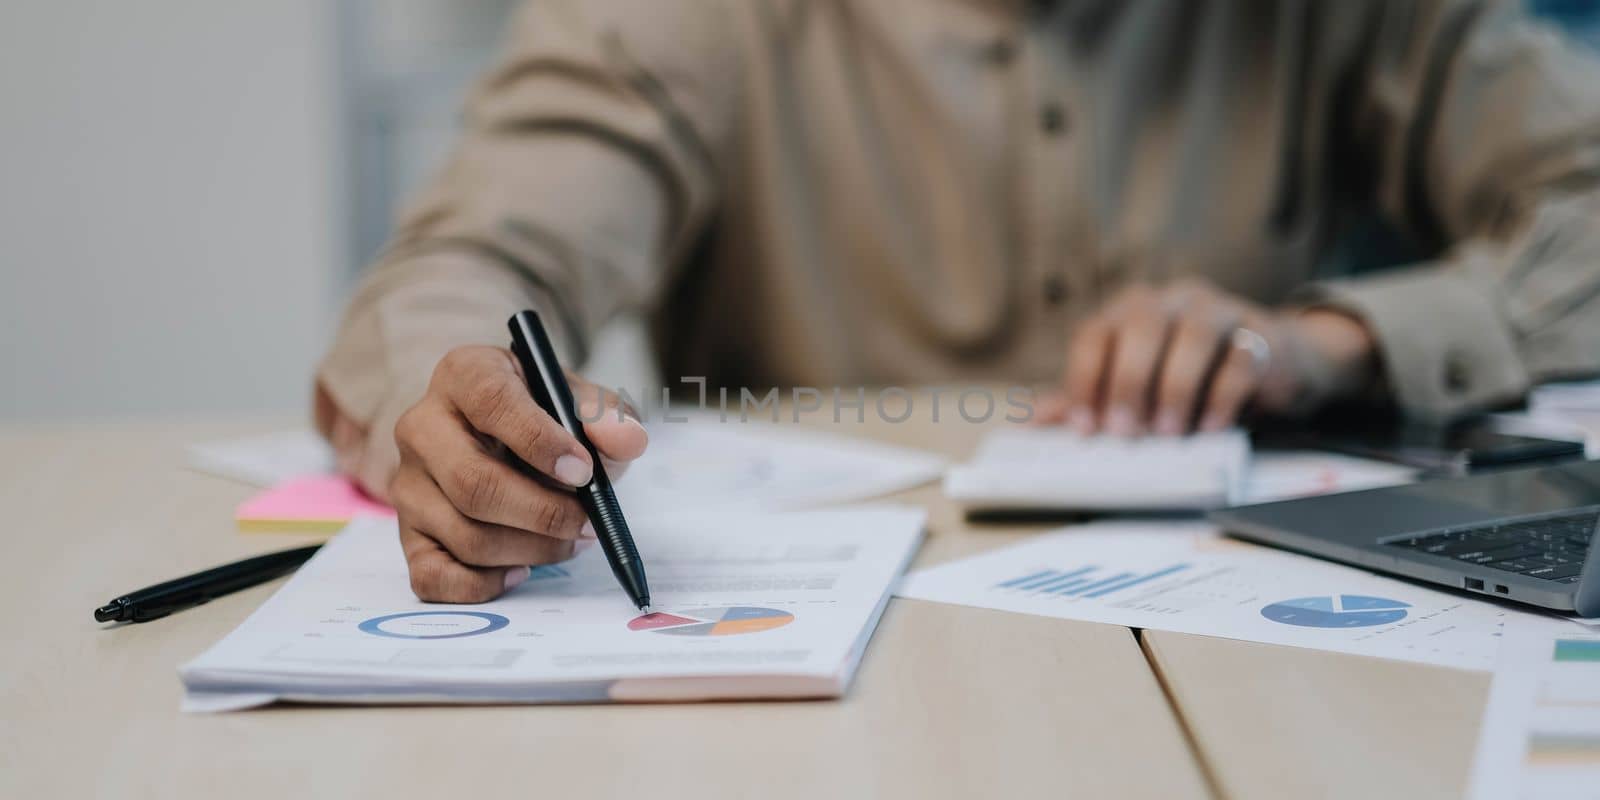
{"points": [[1256, 346]]}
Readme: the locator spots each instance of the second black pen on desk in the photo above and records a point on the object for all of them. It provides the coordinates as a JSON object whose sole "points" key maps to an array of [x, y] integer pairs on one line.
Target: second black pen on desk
{"points": [[548, 385]]}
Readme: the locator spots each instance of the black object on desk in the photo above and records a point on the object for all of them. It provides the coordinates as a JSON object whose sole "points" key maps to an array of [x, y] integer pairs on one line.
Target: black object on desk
{"points": [[1469, 446], [157, 601], [549, 388]]}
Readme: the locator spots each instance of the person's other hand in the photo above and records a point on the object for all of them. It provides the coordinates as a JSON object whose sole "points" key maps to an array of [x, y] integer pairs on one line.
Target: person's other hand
{"points": [[1187, 356], [471, 523]]}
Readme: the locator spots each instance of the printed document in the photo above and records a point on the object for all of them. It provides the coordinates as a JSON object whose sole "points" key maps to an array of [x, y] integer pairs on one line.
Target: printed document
{"points": [[747, 605], [1540, 736], [1188, 578]]}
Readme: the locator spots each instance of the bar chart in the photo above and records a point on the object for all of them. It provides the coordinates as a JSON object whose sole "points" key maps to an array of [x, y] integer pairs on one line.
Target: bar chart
{"points": [[1088, 582]]}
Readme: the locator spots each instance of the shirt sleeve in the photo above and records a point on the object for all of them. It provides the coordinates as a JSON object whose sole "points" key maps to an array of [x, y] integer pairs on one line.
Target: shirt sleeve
{"points": [[584, 168], [1484, 129]]}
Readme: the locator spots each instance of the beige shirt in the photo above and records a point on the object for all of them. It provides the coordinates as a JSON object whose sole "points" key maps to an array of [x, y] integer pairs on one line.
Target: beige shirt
{"points": [[839, 192]]}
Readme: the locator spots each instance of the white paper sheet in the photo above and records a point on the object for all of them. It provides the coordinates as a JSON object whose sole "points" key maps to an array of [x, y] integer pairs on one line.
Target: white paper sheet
{"points": [[1187, 578], [708, 463], [749, 605], [266, 460], [1030, 469], [1540, 737]]}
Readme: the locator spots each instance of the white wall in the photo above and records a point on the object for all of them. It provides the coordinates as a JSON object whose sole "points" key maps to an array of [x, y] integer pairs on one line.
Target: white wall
{"points": [[169, 209]]}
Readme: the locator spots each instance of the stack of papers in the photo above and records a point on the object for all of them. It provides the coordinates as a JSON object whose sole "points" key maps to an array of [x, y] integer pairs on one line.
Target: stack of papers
{"points": [[748, 606], [1043, 469], [1188, 578]]}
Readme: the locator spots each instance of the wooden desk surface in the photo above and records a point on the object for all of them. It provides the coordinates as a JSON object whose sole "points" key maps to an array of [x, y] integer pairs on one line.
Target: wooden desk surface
{"points": [[1278, 722], [950, 702]]}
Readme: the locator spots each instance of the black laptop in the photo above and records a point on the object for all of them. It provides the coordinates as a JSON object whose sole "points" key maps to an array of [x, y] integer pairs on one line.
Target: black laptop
{"points": [[1518, 535]]}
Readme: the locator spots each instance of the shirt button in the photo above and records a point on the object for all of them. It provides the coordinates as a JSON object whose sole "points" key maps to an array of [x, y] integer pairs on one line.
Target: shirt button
{"points": [[1055, 290], [1052, 118], [1457, 373]]}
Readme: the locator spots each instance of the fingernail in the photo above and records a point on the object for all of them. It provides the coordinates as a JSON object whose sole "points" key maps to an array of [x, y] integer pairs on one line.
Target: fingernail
{"points": [[1169, 424], [587, 531], [573, 471], [1081, 421], [582, 545], [1213, 424], [515, 576], [1120, 422]]}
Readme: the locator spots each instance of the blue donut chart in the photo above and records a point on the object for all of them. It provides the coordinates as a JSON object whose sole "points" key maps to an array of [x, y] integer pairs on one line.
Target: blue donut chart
{"points": [[374, 626]]}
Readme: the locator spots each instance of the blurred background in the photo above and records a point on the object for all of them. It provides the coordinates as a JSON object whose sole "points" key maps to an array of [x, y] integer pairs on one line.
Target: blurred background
{"points": [[188, 189]]}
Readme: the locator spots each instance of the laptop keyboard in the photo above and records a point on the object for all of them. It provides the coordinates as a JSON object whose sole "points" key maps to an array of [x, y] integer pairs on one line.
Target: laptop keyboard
{"points": [[1548, 547]]}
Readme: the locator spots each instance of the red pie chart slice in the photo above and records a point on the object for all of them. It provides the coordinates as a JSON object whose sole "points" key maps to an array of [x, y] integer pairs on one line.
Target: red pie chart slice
{"points": [[724, 621], [658, 620]]}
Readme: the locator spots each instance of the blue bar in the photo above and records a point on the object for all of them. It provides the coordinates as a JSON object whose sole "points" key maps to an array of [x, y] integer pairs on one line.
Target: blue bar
{"points": [[1136, 581], [1103, 582], [1059, 580], [1071, 586], [1031, 585], [1025, 579]]}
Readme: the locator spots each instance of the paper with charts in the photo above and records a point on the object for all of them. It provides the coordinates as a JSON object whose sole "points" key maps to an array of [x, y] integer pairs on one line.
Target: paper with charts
{"points": [[1540, 736], [1185, 577], [748, 606]]}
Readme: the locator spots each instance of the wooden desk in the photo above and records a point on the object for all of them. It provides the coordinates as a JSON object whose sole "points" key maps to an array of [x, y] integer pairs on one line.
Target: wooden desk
{"points": [[1278, 722], [950, 702]]}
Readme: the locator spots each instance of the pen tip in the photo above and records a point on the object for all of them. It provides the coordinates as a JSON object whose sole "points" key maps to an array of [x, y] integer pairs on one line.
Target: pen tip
{"points": [[647, 609]]}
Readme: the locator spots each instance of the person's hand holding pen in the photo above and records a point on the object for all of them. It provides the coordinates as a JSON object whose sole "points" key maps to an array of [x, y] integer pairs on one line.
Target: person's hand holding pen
{"points": [[471, 523], [1187, 356]]}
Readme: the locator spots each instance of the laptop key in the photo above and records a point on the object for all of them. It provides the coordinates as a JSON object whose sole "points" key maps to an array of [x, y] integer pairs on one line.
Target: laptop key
{"points": [[1550, 558], [1502, 554], [1455, 548], [1440, 541], [1515, 565], [1555, 572]]}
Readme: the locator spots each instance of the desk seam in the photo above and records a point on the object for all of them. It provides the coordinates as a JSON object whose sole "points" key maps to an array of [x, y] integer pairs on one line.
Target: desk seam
{"points": [[1190, 739]]}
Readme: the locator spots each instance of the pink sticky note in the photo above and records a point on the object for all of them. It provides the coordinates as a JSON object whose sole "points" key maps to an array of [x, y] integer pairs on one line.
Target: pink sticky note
{"points": [[317, 503]]}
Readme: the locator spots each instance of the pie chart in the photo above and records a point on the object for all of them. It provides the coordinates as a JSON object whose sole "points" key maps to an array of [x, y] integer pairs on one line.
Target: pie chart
{"points": [[1336, 611], [722, 621]]}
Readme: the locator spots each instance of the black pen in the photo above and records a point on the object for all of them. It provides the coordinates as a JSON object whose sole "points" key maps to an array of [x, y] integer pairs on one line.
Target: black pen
{"points": [[548, 385], [154, 602]]}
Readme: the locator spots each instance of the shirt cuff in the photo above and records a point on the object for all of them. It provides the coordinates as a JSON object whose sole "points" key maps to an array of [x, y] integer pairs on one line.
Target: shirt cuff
{"points": [[1446, 349]]}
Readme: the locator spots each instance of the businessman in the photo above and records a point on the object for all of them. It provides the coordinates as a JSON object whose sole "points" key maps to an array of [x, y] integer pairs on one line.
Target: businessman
{"points": [[1171, 211]]}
